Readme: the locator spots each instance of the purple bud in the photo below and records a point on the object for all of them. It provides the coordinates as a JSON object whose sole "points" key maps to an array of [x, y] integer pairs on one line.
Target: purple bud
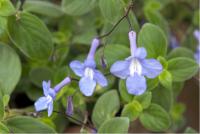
{"points": [[70, 107], [103, 62]]}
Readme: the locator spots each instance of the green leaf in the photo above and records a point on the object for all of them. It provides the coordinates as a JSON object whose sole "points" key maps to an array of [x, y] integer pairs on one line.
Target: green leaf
{"points": [[3, 23], [152, 83], [155, 118], [6, 99], [163, 97], [156, 18], [9, 77], [37, 75], [166, 79], [163, 62], [23, 124], [112, 53], [196, 17], [3, 129], [111, 9], [153, 39], [115, 125], [177, 111], [27, 33], [105, 108], [182, 68], [6, 8], [123, 92], [180, 52], [144, 99], [77, 7], [132, 110], [176, 88], [1, 109], [43, 8]]}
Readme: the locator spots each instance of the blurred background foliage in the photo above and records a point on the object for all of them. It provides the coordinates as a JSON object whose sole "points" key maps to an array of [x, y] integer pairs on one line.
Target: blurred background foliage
{"points": [[38, 44]]}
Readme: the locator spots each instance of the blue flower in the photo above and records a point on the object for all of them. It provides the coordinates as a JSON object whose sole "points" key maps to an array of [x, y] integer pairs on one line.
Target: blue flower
{"points": [[90, 76], [197, 53], [46, 102], [135, 67]]}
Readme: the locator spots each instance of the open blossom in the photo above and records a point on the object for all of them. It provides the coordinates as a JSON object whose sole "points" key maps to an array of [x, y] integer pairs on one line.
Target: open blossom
{"points": [[135, 67], [46, 102], [90, 76], [197, 53]]}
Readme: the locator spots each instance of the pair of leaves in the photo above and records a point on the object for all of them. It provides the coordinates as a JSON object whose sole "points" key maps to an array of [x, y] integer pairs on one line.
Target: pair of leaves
{"points": [[104, 111], [133, 109]]}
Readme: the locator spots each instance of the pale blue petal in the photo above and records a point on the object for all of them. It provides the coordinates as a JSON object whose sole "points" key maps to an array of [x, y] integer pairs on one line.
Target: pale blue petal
{"points": [[120, 69], [87, 86], [77, 67], [46, 86], [50, 108], [90, 63], [136, 84], [41, 104], [100, 78], [151, 68], [140, 53]]}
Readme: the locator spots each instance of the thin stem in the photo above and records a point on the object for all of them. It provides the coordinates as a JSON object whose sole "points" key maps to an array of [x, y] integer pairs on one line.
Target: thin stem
{"points": [[118, 22], [80, 122], [129, 22], [21, 4]]}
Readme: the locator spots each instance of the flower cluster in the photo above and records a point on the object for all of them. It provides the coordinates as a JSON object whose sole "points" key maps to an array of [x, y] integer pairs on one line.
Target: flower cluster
{"points": [[134, 69]]}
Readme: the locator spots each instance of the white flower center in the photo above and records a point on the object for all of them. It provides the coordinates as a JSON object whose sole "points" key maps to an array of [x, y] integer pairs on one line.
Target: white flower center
{"points": [[89, 73], [135, 67], [49, 99]]}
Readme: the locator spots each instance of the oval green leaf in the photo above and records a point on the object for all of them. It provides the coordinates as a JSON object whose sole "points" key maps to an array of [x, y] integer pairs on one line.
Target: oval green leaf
{"points": [[155, 118], [182, 68], [77, 7], [23, 124], [112, 53], [105, 108], [115, 125], [43, 8], [111, 9], [153, 39], [30, 35], [10, 69], [181, 52]]}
